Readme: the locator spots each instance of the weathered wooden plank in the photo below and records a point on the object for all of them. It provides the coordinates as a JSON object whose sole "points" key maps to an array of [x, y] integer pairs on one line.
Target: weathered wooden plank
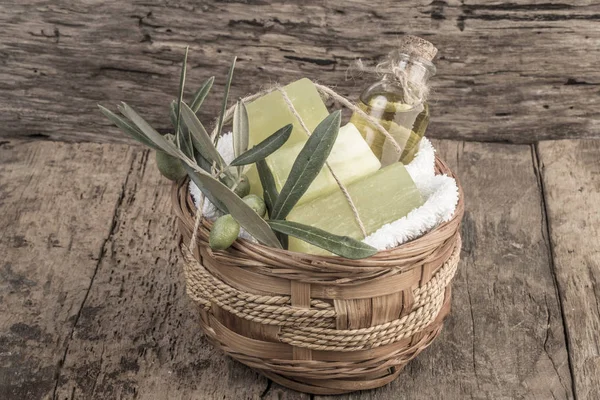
{"points": [[571, 176], [139, 335], [504, 337], [57, 203], [517, 71]]}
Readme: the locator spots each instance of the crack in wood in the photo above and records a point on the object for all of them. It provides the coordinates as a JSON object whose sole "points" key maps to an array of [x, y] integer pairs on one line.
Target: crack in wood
{"points": [[142, 21], [250, 22], [472, 326], [574, 81], [131, 70], [267, 389], [437, 9], [518, 7], [547, 234], [38, 135], [538, 17], [103, 250], [547, 336], [468, 11], [317, 61]]}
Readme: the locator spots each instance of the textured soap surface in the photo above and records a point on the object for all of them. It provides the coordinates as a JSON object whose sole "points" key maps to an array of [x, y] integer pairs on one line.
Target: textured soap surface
{"points": [[270, 112], [383, 197], [350, 159]]}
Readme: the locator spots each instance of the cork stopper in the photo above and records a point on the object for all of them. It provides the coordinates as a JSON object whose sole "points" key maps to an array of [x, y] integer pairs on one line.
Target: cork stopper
{"points": [[420, 47]]}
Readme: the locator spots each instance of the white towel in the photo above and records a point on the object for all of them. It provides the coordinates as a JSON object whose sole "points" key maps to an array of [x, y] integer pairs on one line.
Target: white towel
{"points": [[440, 193]]}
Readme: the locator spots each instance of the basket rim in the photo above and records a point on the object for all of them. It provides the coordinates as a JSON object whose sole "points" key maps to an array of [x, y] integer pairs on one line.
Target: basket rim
{"points": [[185, 210]]}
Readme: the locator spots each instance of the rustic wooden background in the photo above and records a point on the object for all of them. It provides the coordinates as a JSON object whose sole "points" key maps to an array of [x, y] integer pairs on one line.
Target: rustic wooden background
{"points": [[92, 300]]}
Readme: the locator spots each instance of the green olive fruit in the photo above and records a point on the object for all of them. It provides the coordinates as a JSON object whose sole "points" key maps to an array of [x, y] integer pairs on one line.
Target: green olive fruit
{"points": [[223, 233], [243, 187], [257, 204], [227, 181], [170, 167]]}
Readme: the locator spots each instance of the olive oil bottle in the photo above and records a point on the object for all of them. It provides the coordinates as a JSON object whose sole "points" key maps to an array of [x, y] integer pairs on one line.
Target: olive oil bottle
{"points": [[398, 102]]}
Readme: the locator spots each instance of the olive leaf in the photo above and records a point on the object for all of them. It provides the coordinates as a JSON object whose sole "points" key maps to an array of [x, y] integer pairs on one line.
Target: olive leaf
{"points": [[308, 164], [242, 212], [283, 239], [201, 94], [270, 194], [200, 137], [341, 245], [149, 132], [240, 131], [224, 105], [202, 162], [193, 174], [264, 148], [129, 129], [180, 98], [200, 159], [184, 140]]}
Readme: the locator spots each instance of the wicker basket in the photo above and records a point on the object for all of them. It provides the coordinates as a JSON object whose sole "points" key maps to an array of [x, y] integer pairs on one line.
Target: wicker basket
{"points": [[322, 325]]}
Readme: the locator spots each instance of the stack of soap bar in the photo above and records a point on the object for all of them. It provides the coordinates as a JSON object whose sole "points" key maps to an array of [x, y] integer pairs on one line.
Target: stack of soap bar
{"points": [[270, 112], [350, 159], [383, 197]]}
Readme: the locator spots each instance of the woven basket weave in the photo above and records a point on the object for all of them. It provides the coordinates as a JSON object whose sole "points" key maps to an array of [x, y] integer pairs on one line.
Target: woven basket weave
{"points": [[322, 325]]}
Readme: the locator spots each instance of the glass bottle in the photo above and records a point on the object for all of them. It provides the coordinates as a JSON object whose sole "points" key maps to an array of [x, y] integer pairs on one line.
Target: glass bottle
{"points": [[398, 101]]}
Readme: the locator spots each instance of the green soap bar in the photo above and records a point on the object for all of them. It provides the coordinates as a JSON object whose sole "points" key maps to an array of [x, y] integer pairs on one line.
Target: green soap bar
{"points": [[351, 158], [270, 112], [383, 197]]}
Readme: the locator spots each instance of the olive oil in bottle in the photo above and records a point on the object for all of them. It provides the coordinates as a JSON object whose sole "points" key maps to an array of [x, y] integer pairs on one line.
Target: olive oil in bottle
{"points": [[398, 102]]}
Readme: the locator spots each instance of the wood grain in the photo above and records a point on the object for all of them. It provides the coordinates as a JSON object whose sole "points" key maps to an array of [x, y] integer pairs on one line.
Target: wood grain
{"points": [[571, 176], [504, 336], [139, 334], [516, 71], [58, 203]]}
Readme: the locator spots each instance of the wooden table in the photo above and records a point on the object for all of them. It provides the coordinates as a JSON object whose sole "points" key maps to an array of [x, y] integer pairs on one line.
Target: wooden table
{"points": [[92, 296]]}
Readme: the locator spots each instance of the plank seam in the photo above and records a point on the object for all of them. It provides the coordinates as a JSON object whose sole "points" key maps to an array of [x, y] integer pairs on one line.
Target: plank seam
{"points": [[472, 327], [110, 235], [547, 234]]}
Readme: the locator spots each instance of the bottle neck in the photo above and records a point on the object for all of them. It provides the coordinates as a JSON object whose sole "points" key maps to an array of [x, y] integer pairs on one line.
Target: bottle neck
{"points": [[411, 73]]}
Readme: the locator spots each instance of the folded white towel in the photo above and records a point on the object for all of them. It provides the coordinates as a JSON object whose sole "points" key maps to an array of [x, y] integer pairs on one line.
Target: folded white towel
{"points": [[439, 191]]}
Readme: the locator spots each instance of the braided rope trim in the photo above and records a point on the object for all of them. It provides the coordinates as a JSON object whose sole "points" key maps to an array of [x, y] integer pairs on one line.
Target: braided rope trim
{"points": [[269, 310], [314, 327], [438, 283], [340, 340], [428, 300]]}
